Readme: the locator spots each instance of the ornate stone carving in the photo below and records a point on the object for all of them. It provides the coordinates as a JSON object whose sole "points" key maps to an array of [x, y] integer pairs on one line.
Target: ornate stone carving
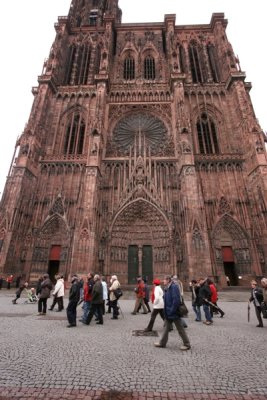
{"points": [[224, 207], [127, 133]]}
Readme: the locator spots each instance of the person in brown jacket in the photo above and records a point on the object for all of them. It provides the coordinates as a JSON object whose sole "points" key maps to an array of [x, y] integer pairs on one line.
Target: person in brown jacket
{"points": [[140, 295], [45, 287]]}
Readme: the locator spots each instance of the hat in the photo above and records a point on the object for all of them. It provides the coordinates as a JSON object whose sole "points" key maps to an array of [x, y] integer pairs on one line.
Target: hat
{"points": [[156, 281]]}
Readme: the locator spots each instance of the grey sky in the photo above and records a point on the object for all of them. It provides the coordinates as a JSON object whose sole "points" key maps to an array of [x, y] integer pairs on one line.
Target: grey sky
{"points": [[27, 32]]}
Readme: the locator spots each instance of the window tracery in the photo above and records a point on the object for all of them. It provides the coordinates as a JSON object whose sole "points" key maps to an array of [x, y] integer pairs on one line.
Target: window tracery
{"points": [[149, 68], [195, 65], [78, 65], [138, 131], [74, 137], [129, 68], [207, 135]]}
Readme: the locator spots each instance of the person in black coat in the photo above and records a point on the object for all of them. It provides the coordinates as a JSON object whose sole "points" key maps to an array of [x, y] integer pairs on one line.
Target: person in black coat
{"points": [[74, 297], [205, 296], [19, 291], [44, 294], [97, 302], [257, 298], [196, 301]]}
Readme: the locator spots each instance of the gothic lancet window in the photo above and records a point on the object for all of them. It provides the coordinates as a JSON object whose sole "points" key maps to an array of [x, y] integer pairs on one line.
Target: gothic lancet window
{"points": [[207, 135], [78, 65], [75, 133], [129, 68], [149, 68], [70, 63], [97, 60], [194, 56], [182, 58], [213, 62]]}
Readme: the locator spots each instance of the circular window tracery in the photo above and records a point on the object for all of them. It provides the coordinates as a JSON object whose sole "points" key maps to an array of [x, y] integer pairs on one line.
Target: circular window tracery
{"points": [[137, 130]]}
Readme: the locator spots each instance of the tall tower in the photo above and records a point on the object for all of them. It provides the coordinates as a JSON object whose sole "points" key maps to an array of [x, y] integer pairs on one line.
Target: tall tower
{"points": [[141, 155]]}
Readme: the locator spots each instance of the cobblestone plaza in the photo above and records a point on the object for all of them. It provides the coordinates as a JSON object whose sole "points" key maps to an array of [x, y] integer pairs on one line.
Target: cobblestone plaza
{"points": [[40, 358]]}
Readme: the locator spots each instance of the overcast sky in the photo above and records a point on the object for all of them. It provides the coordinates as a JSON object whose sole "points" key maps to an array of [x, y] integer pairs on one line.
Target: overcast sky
{"points": [[27, 33]]}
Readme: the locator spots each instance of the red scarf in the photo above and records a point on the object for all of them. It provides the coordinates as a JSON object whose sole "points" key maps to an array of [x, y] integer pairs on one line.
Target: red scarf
{"points": [[153, 295]]}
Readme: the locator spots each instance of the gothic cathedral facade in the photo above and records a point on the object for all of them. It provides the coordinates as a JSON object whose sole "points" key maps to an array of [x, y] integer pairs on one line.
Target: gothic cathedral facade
{"points": [[142, 155]]}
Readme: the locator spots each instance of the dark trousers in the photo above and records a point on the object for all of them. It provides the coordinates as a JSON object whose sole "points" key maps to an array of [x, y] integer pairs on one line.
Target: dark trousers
{"points": [[258, 315], [72, 312], [115, 308], [146, 301], [42, 306], [216, 309], [95, 308], [181, 331], [59, 302], [154, 314], [103, 307], [55, 300]]}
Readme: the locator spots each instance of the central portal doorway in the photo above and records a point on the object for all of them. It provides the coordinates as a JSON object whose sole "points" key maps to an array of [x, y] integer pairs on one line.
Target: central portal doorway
{"points": [[229, 265], [54, 262], [140, 263]]}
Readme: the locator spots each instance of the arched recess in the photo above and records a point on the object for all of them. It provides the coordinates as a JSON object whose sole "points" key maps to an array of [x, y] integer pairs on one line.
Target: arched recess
{"points": [[139, 242], [232, 249], [51, 247]]}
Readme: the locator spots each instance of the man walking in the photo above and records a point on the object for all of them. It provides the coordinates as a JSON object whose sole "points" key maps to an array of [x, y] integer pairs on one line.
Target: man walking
{"points": [[97, 302], [115, 284], [74, 297], [140, 295], [172, 299]]}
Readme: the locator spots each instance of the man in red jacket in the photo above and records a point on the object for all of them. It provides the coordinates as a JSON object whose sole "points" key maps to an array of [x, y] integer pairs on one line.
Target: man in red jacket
{"points": [[87, 295], [140, 295]]}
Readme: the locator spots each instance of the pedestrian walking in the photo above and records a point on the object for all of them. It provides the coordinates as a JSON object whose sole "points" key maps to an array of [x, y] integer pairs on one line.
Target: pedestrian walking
{"points": [[196, 302], [1, 281], [58, 294], [113, 300], [19, 291], [214, 298], [9, 280], [74, 297], [205, 298], [158, 304], [257, 298], [105, 294], [179, 283], [87, 296], [140, 295], [97, 302], [172, 300], [45, 290]]}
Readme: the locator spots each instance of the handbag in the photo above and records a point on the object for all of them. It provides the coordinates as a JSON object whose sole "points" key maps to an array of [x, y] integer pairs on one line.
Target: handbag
{"points": [[264, 309], [182, 309], [118, 293]]}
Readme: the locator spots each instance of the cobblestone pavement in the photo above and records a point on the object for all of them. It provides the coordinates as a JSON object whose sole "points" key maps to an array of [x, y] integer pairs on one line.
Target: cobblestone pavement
{"points": [[41, 358]]}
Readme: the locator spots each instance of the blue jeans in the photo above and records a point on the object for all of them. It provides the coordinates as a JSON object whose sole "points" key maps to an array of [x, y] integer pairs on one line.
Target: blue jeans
{"points": [[86, 309], [197, 311], [206, 309]]}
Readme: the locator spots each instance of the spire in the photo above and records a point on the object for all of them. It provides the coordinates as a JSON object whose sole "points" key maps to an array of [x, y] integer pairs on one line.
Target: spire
{"points": [[92, 12]]}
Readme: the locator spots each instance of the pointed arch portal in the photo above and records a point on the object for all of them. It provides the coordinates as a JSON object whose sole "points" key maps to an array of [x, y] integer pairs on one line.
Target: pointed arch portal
{"points": [[232, 250], [140, 242]]}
